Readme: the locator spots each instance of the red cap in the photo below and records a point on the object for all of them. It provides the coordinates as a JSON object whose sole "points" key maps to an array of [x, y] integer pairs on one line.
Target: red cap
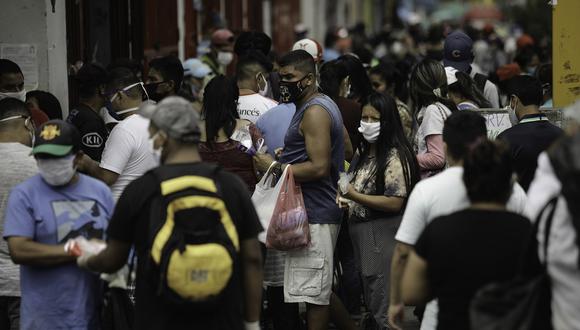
{"points": [[222, 37], [508, 71], [525, 40]]}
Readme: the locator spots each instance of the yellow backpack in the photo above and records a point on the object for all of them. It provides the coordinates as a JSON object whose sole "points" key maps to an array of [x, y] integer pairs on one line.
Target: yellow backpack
{"points": [[194, 248]]}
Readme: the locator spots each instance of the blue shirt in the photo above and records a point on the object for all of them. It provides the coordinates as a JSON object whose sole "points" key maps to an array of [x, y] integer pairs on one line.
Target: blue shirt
{"points": [[274, 123], [63, 296], [320, 195]]}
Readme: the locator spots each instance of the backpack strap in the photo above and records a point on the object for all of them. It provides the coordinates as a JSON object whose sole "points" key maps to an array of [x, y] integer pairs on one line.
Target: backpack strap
{"points": [[480, 81]]}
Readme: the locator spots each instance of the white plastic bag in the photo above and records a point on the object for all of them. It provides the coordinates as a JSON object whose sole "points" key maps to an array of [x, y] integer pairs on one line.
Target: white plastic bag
{"points": [[265, 197]]}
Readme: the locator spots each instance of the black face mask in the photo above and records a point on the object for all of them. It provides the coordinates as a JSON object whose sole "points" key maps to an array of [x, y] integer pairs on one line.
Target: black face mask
{"points": [[151, 90], [290, 91]]}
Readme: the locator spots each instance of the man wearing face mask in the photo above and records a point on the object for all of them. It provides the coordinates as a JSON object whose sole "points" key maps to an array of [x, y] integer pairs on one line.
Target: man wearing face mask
{"points": [[43, 213], [12, 86], [174, 136], [221, 52], [91, 80], [126, 156], [252, 71], [315, 150], [164, 78], [532, 133], [16, 132]]}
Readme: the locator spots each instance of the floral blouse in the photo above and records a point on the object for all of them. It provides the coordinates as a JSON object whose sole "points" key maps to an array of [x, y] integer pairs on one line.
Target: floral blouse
{"points": [[365, 178]]}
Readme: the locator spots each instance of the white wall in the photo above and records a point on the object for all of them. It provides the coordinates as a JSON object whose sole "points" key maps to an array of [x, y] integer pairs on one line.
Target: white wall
{"points": [[32, 22]]}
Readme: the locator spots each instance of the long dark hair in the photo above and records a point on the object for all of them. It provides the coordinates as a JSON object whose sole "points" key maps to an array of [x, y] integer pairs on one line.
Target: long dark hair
{"points": [[220, 103], [465, 86], [392, 136], [331, 75], [427, 76], [359, 80]]}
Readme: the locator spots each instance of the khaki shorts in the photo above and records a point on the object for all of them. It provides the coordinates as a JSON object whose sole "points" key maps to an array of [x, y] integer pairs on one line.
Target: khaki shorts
{"points": [[308, 272]]}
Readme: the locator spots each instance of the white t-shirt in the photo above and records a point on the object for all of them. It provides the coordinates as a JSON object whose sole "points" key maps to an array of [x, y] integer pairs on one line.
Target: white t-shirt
{"points": [[251, 107], [562, 248], [440, 195], [127, 153], [432, 119]]}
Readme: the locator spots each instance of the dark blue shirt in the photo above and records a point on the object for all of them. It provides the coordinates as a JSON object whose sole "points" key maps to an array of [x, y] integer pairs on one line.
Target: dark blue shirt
{"points": [[527, 140]]}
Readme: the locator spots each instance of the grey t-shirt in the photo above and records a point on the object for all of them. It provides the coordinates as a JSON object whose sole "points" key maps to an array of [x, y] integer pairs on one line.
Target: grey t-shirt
{"points": [[17, 165]]}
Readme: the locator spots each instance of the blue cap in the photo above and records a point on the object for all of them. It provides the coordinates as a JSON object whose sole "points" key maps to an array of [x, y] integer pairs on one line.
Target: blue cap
{"points": [[458, 51]]}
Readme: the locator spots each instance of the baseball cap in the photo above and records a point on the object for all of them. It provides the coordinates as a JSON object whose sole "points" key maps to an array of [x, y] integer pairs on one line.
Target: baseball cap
{"points": [[458, 51], [175, 116], [311, 46], [56, 138], [451, 78], [222, 37], [196, 68]]}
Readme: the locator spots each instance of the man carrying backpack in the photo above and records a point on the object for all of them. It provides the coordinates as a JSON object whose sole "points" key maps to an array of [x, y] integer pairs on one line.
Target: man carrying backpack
{"points": [[194, 229]]}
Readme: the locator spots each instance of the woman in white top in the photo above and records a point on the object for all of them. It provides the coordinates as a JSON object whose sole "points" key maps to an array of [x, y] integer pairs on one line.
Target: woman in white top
{"points": [[428, 87], [463, 91]]}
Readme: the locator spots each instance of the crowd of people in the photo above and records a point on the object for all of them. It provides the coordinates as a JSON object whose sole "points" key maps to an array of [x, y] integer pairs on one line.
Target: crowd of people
{"points": [[143, 192]]}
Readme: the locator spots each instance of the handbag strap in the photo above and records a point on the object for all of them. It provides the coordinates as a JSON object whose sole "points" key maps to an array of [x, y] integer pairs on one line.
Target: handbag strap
{"points": [[553, 203]]}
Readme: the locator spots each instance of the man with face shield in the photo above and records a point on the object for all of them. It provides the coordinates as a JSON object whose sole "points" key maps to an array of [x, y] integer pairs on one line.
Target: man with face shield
{"points": [[126, 156], [196, 76], [174, 136], [43, 213], [16, 132]]}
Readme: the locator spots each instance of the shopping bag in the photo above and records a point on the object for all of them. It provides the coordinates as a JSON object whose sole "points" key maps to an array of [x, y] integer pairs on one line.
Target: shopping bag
{"points": [[264, 198], [288, 229]]}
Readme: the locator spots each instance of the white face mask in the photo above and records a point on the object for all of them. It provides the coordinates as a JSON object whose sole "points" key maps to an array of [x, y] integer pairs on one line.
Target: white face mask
{"points": [[225, 58], [370, 131], [512, 113], [155, 152], [15, 95], [264, 91], [57, 171]]}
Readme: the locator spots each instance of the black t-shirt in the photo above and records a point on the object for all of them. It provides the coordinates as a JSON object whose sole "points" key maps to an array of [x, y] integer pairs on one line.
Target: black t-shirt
{"points": [[130, 223], [527, 140], [92, 128], [466, 250]]}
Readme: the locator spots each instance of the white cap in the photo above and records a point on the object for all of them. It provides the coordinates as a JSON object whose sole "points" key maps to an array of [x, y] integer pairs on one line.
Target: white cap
{"points": [[311, 46], [451, 78]]}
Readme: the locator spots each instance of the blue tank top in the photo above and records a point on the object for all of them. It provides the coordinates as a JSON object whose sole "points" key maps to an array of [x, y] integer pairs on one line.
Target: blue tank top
{"points": [[320, 195]]}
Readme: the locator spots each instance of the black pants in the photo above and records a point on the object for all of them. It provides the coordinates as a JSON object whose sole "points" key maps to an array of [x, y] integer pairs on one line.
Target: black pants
{"points": [[349, 289], [10, 313], [284, 315]]}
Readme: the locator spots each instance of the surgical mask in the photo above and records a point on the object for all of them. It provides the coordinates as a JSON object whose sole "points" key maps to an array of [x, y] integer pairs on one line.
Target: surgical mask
{"points": [[263, 91], [27, 124], [225, 58], [512, 114], [15, 95], [57, 171], [370, 131], [155, 152], [290, 91]]}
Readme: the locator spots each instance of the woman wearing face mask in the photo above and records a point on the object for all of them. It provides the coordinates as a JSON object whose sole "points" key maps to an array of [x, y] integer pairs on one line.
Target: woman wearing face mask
{"points": [[385, 171], [428, 86], [226, 137]]}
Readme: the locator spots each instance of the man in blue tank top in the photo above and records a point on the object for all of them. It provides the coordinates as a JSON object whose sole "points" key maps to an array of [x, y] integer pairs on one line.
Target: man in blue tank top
{"points": [[314, 147]]}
